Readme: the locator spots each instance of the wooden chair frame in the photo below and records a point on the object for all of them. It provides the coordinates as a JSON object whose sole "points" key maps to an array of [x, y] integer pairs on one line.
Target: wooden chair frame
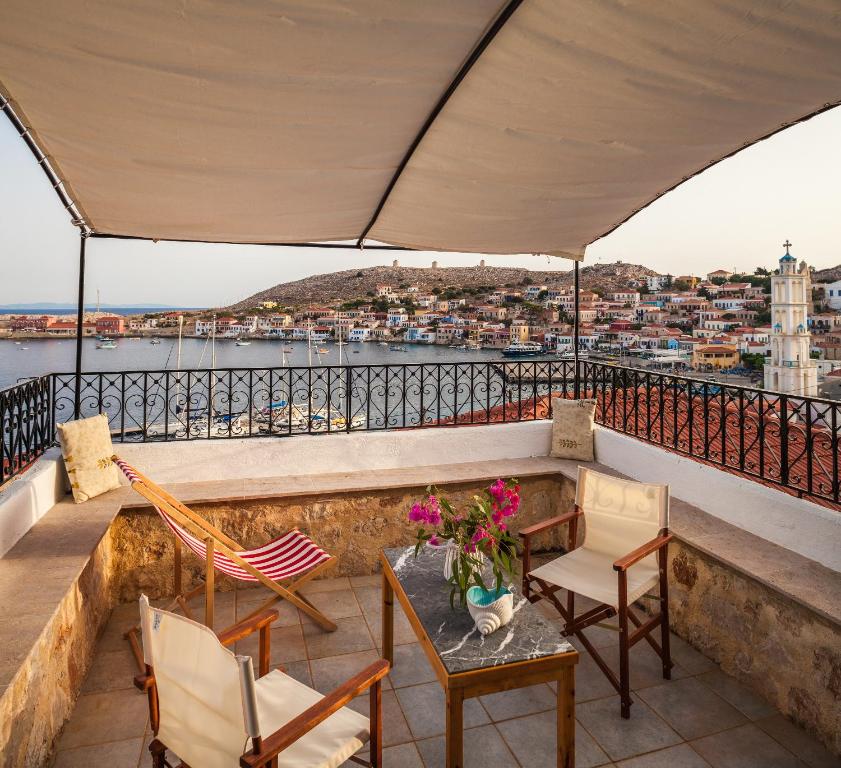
{"points": [[575, 625], [216, 540], [264, 751]]}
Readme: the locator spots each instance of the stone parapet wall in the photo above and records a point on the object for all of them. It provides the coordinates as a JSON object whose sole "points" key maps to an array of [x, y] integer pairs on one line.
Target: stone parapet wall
{"points": [[40, 697], [352, 526], [788, 654]]}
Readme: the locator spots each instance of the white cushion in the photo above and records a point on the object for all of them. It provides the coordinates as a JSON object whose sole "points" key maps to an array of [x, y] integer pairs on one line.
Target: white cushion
{"points": [[280, 698], [87, 450], [590, 573]]}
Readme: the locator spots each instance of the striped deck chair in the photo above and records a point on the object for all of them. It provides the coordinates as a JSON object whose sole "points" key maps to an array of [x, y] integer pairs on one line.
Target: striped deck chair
{"points": [[283, 565]]}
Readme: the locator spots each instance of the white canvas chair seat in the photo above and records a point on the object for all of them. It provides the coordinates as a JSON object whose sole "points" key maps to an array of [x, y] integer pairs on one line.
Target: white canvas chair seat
{"points": [[590, 573], [281, 698], [204, 692]]}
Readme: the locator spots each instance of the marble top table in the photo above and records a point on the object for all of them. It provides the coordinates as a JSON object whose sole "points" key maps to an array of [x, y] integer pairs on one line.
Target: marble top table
{"points": [[526, 651]]}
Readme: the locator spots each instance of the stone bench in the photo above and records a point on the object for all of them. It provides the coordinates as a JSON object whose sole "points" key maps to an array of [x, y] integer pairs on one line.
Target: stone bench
{"points": [[733, 593]]}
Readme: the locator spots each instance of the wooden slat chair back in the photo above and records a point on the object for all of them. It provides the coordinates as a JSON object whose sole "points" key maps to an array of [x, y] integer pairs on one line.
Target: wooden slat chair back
{"points": [[283, 565], [621, 558], [207, 707]]}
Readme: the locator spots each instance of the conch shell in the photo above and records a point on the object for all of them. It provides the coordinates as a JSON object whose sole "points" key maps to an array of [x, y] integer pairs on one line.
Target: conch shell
{"points": [[488, 613]]}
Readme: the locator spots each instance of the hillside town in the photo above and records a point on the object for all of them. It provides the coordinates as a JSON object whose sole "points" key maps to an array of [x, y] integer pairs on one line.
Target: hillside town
{"points": [[716, 323]]}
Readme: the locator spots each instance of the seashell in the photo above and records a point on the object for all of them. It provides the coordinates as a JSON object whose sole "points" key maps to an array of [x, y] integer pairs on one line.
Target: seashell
{"points": [[490, 610], [487, 623]]}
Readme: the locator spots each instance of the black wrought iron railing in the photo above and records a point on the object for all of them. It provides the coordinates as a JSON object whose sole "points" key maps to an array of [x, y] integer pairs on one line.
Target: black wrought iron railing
{"points": [[787, 441], [26, 427]]}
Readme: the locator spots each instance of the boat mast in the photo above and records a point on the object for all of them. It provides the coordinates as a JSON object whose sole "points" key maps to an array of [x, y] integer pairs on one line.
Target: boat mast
{"points": [[213, 344]]}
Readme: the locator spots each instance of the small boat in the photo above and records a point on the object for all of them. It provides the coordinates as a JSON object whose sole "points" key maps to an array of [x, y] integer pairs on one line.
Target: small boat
{"points": [[396, 348], [288, 349], [155, 341], [17, 342], [355, 351], [243, 343], [323, 350], [23, 349], [383, 343], [107, 344], [523, 349], [473, 346], [458, 346]]}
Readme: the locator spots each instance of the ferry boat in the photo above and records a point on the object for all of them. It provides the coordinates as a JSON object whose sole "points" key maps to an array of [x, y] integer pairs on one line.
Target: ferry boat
{"points": [[523, 349]]}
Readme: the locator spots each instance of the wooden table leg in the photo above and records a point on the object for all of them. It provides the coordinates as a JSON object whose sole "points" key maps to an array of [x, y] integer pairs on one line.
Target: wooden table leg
{"points": [[455, 728], [388, 621], [566, 717]]}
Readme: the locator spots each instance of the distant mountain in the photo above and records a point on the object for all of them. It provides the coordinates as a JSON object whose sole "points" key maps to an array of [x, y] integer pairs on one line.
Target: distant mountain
{"points": [[357, 283], [52, 305]]}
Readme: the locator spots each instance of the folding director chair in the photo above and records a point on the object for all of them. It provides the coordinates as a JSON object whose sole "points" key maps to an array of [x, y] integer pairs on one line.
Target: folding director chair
{"points": [[622, 557], [207, 707]]}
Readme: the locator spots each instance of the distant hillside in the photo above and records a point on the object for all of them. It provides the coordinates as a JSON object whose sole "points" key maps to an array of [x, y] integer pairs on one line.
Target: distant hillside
{"points": [[828, 275], [356, 283]]}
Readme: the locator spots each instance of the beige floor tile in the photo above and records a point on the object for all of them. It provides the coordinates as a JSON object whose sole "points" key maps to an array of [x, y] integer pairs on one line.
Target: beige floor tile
{"points": [[424, 707], [334, 604], [411, 667], [374, 580], [285, 644], [483, 748], [331, 671], [645, 731], [646, 667], [105, 717], [111, 671], [351, 635], [519, 701], [325, 585], [533, 741], [744, 747], [681, 756], [691, 708], [115, 754], [395, 728], [806, 747], [691, 659], [250, 600], [750, 704]]}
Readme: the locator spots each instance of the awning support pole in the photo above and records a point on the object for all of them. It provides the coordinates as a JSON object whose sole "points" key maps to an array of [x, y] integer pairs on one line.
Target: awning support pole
{"points": [[576, 386], [80, 318]]}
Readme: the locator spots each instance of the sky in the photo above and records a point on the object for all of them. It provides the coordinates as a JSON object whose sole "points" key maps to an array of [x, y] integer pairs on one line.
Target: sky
{"points": [[734, 215]]}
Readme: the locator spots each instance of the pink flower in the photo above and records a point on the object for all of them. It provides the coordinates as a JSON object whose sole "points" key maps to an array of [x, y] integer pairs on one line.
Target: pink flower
{"points": [[433, 517], [434, 541], [469, 547], [417, 514]]}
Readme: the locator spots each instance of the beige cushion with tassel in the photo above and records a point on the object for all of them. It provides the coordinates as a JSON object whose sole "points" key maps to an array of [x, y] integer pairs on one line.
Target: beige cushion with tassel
{"points": [[87, 449], [572, 429]]}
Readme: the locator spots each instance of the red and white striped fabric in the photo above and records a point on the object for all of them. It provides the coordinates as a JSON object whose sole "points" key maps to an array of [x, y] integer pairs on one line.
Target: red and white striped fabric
{"points": [[281, 559]]}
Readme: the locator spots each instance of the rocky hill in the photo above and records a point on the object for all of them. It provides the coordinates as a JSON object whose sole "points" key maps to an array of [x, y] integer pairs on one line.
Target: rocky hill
{"points": [[828, 275], [357, 283]]}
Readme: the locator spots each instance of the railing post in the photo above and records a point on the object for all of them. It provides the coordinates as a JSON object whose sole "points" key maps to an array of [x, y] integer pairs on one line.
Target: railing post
{"points": [[576, 384], [784, 439], [80, 318]]}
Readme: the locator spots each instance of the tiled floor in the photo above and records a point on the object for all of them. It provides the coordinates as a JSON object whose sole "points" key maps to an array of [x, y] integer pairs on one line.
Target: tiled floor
{"points": [[700, 718]]}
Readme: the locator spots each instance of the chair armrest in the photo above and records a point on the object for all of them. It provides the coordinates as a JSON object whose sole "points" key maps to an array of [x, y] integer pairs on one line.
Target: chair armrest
{"points": [[549, 523], [623, 563], [144, 682], [289, 733], [248, 626]]}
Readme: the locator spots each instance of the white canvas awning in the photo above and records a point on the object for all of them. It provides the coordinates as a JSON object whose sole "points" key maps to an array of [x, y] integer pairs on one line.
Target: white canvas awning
{"points": [[476, 125]]}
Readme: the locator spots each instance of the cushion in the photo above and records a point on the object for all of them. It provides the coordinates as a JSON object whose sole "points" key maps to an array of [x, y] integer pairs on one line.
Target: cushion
{"points": [[572, 429], [87, 451]]}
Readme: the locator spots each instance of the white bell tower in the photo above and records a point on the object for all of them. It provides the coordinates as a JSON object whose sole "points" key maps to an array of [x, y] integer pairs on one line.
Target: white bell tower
{"points": [[791, 369]]}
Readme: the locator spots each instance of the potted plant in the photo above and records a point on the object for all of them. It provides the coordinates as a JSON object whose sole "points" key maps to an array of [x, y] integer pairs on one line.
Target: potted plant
{"points": [[471, 535]]}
